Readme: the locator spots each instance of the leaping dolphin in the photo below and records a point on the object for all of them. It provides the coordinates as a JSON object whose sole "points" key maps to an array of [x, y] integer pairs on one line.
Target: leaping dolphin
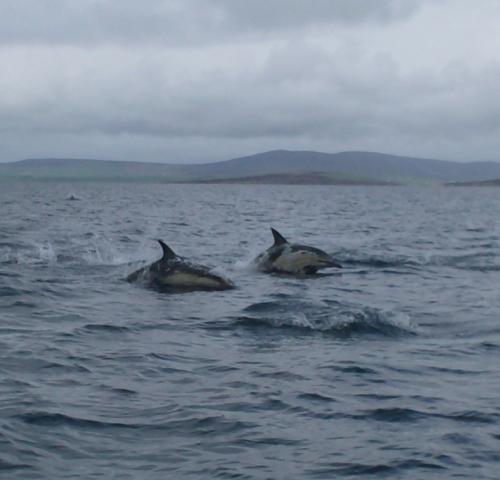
{"points": [[173, 273], [284, 257]]}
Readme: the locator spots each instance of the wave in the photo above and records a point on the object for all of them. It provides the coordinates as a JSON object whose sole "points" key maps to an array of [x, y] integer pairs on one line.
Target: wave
{"points": [[211, 425], [484, 259], [377, 261], [340, 319], [316, 397], [5, 465], [410, 415], [103, 328], [8, 291], [356, 469], [56, 419]]}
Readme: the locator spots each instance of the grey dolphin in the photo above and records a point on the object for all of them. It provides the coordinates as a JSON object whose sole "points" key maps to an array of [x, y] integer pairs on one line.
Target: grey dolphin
{"points": [[284, 257], [174, 273]]}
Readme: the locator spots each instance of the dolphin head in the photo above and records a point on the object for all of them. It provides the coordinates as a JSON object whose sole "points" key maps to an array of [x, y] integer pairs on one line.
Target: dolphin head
{"points": [[316, 258], [324, 260]]}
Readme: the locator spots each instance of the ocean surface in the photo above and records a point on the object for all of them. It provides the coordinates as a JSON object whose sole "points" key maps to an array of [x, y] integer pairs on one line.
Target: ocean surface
{"points": [[388, 368]]}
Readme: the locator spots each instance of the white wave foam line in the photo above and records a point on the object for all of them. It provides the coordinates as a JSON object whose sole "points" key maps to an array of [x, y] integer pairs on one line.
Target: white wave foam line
{"points": [[340, 320], [396, 319], [297, 319]]}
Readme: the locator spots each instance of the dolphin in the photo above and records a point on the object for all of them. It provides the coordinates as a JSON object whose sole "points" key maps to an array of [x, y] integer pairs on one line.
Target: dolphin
{"points": [[173, 273], [284, 257]]}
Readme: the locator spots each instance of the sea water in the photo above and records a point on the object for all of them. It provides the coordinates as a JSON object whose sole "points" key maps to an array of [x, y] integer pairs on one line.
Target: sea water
{"points": [[388, 368]]}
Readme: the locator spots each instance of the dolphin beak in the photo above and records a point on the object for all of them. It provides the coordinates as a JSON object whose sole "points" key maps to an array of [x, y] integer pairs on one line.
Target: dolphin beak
{"points": [[332, 263]]}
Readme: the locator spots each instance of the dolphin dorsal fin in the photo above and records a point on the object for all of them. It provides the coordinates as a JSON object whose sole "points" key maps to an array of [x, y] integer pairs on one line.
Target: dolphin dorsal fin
{"points": [[278, 238], [167, 251]]}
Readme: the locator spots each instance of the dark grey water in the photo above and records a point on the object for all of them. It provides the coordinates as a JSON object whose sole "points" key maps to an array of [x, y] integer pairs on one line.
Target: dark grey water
{"points": [[387, 370]]}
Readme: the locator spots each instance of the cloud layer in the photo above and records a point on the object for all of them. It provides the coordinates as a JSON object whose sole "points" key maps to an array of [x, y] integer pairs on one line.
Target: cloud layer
{"points": [[200, 80], [180, 22]]}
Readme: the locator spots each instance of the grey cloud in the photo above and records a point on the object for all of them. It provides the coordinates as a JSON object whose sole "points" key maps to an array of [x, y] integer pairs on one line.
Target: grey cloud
{"points": [[105, 79], [273, 14], [301, 89], [180, 22]]}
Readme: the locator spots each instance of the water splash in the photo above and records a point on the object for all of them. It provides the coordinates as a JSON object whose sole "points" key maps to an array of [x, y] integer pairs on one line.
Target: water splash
{"points": [[46, 253]]}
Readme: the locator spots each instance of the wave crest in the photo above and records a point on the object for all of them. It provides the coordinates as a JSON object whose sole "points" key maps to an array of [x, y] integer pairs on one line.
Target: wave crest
{"points": [[340, 319]]}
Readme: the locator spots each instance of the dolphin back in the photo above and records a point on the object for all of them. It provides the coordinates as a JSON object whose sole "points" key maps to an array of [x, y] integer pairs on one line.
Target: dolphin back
{"points": [[172, 273]]}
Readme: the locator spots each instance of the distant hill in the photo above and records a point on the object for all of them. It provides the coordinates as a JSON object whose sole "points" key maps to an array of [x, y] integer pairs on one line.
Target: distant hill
{"points": [[277, 166], [371, 165], [90, 169], [485, 183], [313, 178]]}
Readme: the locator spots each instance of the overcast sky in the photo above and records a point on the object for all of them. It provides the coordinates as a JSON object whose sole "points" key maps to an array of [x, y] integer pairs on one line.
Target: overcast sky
{"points": [[204, 80]]}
